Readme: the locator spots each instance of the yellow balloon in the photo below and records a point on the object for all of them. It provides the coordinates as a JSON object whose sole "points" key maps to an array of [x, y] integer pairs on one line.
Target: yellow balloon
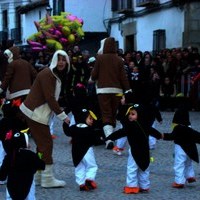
{"points": [[71, 38]]}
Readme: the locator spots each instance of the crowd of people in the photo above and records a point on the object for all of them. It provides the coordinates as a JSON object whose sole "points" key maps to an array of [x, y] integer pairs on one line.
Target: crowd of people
{"points": [[92, 94], [161, 76]]}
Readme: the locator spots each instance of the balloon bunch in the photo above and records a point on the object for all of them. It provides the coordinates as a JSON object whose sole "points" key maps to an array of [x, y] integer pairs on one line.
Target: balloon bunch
{"points": [[56, 32]]}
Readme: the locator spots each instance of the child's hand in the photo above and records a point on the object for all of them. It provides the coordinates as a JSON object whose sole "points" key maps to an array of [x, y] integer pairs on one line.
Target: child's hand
{"points": [[67, 120], [123, 100]]}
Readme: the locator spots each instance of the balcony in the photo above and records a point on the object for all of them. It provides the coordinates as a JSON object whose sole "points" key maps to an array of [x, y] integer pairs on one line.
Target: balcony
{"points": [[146, 3], [122, 6]]}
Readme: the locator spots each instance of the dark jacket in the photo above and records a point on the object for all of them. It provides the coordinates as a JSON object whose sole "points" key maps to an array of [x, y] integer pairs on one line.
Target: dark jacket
{"points": [[109, 70], [19, 76], [20, 172], [138, 138], [83, 137], [187, 138]]}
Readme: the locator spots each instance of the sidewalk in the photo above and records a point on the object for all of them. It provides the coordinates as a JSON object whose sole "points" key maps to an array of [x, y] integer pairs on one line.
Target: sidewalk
{"points": [[111, 176]]}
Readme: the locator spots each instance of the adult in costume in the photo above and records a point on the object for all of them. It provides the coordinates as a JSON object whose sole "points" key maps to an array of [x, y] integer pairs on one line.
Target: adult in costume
{"points": [[38, 107]]}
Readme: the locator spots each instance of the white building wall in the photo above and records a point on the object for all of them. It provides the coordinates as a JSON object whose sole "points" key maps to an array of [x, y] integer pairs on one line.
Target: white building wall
{"points": [[28, 27], [116, 33], [172, 20], [92, 12]]}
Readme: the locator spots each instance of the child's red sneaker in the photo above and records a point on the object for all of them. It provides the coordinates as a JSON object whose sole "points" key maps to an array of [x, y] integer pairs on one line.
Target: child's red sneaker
{"points": [[177, 185], [191, 180], [117, 150], [90, 184], [84, 188], [131, 190]]}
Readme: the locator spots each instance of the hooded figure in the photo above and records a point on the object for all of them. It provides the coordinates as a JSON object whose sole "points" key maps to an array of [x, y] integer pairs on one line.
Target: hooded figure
{"points": [[184, 135], [19, 164], [38, 107], [111, 83], [83, 138], [185, 139], [137, 131], [19, 75]]}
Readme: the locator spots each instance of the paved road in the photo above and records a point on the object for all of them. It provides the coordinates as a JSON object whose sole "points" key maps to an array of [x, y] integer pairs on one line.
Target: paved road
{"points": [[111, 175]]}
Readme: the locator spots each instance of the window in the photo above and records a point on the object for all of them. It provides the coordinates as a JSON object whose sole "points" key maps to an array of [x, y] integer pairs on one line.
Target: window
{"points": [[119, 5], [145, 3], [5, 19], [59, 6], [159, 40]]}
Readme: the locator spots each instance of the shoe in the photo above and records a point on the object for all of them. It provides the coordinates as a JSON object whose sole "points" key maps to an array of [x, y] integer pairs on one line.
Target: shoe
{"points": [[84, 188], [48, 180], [117, 150], [3, 182], [177, 185], [131, 190], [90, 184], [109, 144], [53, 136], [191, 180], [144, 190]]}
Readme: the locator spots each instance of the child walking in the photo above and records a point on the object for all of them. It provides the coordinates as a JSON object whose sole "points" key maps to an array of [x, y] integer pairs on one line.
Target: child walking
{"points": [[185, 149], [137, 131], [20, 163], [83, 138]]}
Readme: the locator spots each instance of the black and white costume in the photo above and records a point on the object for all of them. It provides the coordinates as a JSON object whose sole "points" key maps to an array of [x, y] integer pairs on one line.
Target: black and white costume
{"points": [[83, 139]]}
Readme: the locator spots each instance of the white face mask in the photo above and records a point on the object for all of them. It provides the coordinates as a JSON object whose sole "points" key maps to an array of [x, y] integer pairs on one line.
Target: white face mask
{"points": [[9, 55]]}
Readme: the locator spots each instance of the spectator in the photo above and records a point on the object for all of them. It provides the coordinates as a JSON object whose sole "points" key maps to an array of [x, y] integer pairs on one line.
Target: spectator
{"points": [[167, 94]]}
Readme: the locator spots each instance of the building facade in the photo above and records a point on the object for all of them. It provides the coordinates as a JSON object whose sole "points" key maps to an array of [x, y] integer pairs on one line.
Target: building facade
{"points": [[146, 25], [151, 25]]}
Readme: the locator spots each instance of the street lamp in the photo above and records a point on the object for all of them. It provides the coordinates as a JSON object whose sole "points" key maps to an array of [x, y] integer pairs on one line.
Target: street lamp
{"points": [[49, 9]]}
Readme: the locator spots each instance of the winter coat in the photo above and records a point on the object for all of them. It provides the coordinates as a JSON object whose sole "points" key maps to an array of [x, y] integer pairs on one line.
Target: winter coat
{"points": [[19, 75], [187, 138], [108, 71], [83, 137], [43, 97], [138, 138]]}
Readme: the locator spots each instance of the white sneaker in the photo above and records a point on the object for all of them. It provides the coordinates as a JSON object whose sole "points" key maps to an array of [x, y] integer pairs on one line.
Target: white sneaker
{"points": [[3, 182]]}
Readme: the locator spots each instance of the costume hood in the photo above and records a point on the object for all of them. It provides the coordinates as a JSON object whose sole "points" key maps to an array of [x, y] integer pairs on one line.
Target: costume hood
{"points": [[12, 53], [181, 116], [109, 46], [55, 59], [100, 51]]}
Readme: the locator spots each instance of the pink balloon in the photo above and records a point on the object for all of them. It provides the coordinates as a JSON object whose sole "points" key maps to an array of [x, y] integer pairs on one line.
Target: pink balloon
{"points": [[63, 40], [37, 48], [34, 44], [79, 20], [51, 30], [71, 17], [57, 32]]}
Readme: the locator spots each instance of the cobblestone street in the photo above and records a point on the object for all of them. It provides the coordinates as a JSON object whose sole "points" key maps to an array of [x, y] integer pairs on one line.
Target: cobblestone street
{"points": [[111, 176]]}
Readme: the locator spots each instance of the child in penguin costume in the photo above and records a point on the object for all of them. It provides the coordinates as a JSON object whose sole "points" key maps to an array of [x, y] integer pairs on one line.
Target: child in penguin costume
{"points": [[20, 163], [137, 129], [185, 149], [10, 120], [83, 138]]}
